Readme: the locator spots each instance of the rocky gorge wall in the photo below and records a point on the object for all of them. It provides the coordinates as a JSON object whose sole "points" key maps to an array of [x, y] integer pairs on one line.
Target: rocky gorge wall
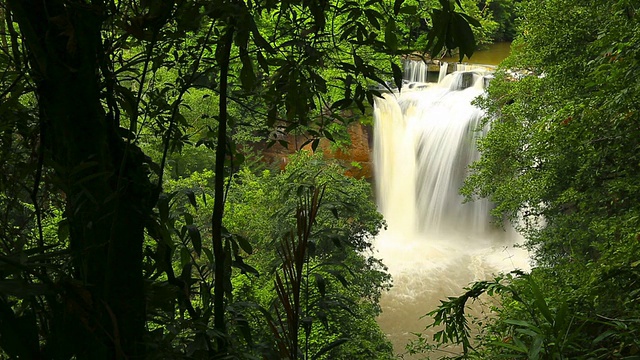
{"points": [[356, 157]]}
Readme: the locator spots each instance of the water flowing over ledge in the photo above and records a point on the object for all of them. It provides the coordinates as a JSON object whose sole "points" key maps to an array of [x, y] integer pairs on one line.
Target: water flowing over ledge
{"points": [[425, 139]]}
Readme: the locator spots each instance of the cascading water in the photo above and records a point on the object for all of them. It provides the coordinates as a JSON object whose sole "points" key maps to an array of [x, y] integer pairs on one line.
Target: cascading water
{"points": [[416, 71], [425, 139], [444, 67]]}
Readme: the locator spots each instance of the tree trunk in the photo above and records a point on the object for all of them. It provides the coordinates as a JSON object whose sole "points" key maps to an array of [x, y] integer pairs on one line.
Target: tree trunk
{"points": [[3, 31], [219, 323], [109, 196]]}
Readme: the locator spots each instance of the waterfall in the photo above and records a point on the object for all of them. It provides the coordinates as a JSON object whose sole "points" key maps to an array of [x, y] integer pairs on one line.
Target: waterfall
{"points": [[444, 66], [416, 71], [424, 141], [471, 67]]}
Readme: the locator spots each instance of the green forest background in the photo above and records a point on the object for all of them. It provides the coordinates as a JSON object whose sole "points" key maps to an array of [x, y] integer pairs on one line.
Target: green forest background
{"points": [[139, 219]]}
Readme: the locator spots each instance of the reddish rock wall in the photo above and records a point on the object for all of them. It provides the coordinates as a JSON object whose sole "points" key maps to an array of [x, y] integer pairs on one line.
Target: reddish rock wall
{"points": [[360, 151]]}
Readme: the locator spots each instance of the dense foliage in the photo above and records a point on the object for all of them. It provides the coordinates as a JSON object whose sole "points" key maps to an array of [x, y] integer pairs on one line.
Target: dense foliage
{"points": [[561, 161], [123, 139], [495, 21]]}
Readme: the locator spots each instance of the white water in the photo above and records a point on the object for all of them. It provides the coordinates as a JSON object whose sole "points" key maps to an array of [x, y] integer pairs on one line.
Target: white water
{"points": [[444, 67], [435, 245], [416, 71]]}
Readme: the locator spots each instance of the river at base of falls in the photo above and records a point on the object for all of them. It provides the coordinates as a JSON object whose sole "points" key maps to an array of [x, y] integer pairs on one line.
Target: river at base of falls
{"points": [[426, 270], [435, 245]]}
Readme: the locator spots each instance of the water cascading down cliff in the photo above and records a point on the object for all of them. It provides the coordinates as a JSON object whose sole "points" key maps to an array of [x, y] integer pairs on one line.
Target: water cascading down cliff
{"points": [[424, 141]]}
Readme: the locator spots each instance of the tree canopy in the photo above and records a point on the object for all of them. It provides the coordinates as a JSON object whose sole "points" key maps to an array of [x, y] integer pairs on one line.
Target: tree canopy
{"points": [[561, 162]]}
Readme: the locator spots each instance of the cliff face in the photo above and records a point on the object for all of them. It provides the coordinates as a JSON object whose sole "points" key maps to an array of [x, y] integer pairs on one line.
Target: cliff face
{"points": [[359, 153], [356, 158]]}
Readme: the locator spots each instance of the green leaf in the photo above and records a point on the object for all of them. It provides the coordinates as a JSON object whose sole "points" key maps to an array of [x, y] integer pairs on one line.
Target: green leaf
{"points": [[471, 20], [397, 4], [390, 38], [397, 75], [340, 277], [321, 284], [262, 61], [208, 254], [463, 37], [192, 198], [510, 346], [540, 302], [528, 332], [438, 33], [63, 230], [603, 336], [247, 75], [524, 324], [196, 240], [258, 39], [372, 16], [341, 104], [244, 244], [332, 345], [409, 10], [536, 347], [185, 257], [163, 205], [244, 267], [447, 5], [328, 135], [188, 218]]}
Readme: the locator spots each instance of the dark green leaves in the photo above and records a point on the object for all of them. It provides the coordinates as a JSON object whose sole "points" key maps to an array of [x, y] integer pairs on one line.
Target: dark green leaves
{"points": [[247, 75], [451, 30], [397, 4], [244, 244], [63, 230], [397, 75], [463, 37], [373, 16], [196, 240], [192, 198], [330, 346], [321, 284], [19, 333], [390, 37]]}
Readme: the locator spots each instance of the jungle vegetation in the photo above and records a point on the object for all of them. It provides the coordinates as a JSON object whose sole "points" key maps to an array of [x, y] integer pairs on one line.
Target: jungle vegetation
{"points": [[137, 222], [562, 163]]}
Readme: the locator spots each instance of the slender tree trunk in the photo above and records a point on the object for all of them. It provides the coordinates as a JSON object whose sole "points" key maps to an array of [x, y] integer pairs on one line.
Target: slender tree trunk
{"points": [[218, 206], [109, 196], [3, 30]]}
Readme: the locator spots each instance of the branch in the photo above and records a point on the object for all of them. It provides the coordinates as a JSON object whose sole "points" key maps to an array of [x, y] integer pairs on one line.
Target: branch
{"points": [[218, 205]]}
